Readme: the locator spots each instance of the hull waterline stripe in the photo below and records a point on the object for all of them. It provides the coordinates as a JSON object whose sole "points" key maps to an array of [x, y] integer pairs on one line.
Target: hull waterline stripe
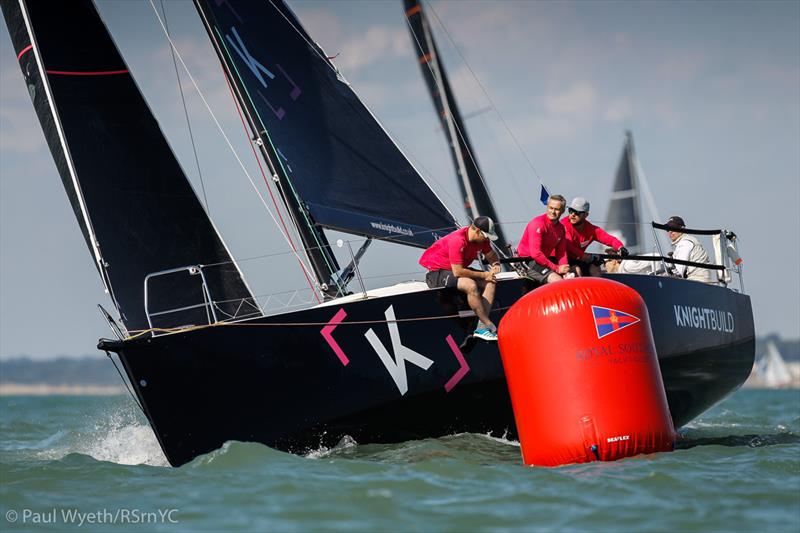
{"points": [[27, 48], [87, 73]]}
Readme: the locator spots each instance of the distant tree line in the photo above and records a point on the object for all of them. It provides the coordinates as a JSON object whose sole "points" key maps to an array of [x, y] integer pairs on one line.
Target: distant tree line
{"points": [[62, 370]]}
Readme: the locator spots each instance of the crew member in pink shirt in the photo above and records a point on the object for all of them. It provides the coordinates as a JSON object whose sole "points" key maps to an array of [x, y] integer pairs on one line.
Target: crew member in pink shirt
{"points": [[448, 260], [581, 233], [544, 242]]}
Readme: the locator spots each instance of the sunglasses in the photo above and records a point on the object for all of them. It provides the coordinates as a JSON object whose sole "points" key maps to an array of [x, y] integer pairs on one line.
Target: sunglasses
{"points": [[575, 212]]}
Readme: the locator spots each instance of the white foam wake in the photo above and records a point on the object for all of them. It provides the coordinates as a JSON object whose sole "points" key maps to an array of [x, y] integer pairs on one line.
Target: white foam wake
{"points": [[117, 437]]}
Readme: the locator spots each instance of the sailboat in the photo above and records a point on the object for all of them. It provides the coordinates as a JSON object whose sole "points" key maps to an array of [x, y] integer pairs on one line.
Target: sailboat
{"points": [[204, 361], [771, 370]]}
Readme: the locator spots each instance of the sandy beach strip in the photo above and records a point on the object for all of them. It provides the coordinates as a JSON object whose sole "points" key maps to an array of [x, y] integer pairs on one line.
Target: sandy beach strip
{"points": [[64, 389]]}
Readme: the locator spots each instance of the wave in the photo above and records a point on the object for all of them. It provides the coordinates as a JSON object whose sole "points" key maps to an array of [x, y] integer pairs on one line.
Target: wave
{"points": [[118, 436]]}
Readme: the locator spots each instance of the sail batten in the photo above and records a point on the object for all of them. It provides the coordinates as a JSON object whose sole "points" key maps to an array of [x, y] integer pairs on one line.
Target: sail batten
{"points": [[334, 156]]}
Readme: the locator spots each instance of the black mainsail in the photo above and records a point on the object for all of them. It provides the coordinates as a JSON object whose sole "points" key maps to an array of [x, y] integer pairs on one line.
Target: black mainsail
{"points": [[623, 211], [331, 157], [136, 209], [474, 192]]}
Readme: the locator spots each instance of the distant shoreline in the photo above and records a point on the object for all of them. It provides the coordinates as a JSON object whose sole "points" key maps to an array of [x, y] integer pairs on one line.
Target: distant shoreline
{"points": [[64, 389]]}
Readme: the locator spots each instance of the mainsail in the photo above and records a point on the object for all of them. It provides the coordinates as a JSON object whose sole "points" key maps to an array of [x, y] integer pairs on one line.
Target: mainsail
{"points": [[136, 209], [333, 158], [623, 212], [474, 192]]}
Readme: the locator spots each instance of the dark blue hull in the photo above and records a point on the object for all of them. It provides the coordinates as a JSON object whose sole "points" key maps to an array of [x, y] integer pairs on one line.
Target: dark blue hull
{"points": [[280, 381]]}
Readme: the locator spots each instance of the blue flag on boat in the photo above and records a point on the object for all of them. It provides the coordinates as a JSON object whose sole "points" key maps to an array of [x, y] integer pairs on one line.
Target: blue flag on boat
{"points": [[543, 194]]}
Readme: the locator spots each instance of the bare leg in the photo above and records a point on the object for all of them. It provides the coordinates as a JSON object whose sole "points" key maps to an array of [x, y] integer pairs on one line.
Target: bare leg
{"points": [[474, 299], [553, 277], [488, 298]]}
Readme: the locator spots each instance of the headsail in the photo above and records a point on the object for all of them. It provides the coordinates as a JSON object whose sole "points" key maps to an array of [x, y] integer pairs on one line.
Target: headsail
{"points": [[138, 213], [338, 161], [474, 192], [623, 218]]}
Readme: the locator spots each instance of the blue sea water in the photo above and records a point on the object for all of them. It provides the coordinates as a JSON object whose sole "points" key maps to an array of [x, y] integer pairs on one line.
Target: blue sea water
{"points": [[67, 459]]}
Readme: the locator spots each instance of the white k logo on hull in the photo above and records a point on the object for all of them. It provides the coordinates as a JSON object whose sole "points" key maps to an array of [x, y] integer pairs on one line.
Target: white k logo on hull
{"points": [[396, 366]]}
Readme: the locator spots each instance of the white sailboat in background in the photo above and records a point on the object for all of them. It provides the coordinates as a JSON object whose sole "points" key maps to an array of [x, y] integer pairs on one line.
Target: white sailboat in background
{"points": [[771, 371]]}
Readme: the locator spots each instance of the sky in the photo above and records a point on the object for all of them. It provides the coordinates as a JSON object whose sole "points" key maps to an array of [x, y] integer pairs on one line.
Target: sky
{"points": [[710, 90]]}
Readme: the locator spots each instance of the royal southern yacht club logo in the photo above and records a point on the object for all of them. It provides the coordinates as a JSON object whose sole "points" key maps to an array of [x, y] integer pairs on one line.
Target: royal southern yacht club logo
{"points": [[607, 321]]}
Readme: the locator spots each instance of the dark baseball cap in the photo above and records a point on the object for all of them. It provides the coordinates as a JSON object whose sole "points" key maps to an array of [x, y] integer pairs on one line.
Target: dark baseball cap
{"points": [[675, 223], [486, 225]]}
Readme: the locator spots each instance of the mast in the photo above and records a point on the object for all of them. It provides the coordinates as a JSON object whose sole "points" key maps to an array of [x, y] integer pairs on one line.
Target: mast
{"points": [[315, 244], [474, 192]]}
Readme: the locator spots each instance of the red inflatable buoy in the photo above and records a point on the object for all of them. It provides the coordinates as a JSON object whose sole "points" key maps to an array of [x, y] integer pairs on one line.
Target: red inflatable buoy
{"points": [[583, 374]]}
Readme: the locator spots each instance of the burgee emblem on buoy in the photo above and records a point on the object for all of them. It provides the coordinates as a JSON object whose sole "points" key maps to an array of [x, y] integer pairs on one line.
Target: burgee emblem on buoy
{"points": [[607, 320]]}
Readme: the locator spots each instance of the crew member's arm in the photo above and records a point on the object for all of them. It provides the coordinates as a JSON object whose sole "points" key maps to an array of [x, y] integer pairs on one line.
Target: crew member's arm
{"points": [[561, 257], [460, 272], [573, 250], [456, 263], [491, 258], [602, 236], [535, 249], [683, 250]]}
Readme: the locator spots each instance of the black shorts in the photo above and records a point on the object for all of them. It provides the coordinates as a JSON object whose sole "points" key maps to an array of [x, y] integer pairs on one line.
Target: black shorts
{"points": [[443, 278]]}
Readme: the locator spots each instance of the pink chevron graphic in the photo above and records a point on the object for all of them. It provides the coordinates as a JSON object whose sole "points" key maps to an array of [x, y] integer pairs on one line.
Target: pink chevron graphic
{"points": [[327, 333], [462, 371]]}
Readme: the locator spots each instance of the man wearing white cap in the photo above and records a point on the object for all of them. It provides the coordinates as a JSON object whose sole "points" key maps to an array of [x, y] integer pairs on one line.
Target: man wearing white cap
{"points": [[448, 260], [580, 233]]}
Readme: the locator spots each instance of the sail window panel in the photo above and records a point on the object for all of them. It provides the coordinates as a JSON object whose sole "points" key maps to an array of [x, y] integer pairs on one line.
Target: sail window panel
{"points": [[340, 162]]}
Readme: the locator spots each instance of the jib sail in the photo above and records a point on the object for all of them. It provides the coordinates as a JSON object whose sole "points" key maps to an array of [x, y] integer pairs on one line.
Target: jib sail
{"points": [[343, 167]]}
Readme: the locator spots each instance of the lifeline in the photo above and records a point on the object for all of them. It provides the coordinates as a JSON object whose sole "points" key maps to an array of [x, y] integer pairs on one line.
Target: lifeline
{"points": [[703, 318]]}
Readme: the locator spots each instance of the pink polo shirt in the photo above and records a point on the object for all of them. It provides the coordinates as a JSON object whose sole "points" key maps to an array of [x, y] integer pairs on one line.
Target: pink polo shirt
{"points": [[578, 241], [541, 240], [453, 249]]}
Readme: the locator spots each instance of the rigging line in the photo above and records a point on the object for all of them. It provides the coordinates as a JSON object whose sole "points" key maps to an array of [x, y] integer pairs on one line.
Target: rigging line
{"points": [[340, 76], [186, 113], [485, 92], [271, 195], [449, 114], [303, 211], [141, 332], [451, 123], [219, 126]]}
